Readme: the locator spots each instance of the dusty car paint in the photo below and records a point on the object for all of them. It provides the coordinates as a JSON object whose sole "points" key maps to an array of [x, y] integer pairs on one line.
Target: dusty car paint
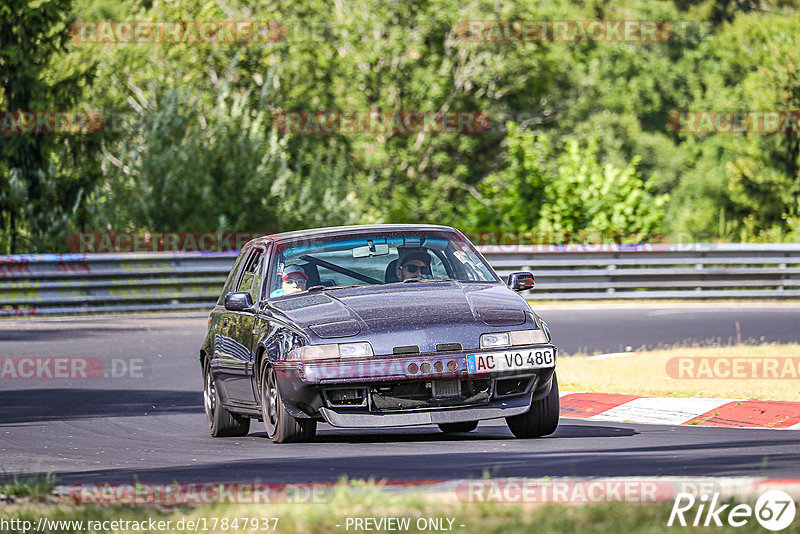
{"points": [[429, 324]]}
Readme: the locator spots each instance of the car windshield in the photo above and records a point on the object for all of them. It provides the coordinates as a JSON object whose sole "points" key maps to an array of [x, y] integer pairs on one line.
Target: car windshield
{"points": [[317, 264]]}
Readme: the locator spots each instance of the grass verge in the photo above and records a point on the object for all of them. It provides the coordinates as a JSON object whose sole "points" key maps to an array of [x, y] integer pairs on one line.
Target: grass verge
{"points": [[350, 502], [33, 487], [646, 373]]}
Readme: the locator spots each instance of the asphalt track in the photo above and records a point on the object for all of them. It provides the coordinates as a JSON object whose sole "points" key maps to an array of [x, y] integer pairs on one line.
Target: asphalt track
{"points": [[150, 427]]}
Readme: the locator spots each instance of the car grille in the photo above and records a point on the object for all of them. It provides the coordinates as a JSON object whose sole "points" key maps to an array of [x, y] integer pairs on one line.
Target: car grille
{"points": [[423, 394]]}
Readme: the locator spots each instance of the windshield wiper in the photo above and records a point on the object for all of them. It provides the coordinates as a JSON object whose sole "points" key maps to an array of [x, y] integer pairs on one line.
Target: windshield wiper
{"points": [[411, 280], [325, 288]]}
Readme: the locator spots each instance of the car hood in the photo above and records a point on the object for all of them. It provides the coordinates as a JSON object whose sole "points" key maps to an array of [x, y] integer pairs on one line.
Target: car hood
{"points": [[421, 314]]}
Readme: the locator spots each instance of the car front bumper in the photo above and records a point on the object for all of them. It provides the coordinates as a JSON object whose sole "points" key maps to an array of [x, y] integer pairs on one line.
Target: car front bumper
{"points": [[432, 366], [493, 410], [401, 390]]}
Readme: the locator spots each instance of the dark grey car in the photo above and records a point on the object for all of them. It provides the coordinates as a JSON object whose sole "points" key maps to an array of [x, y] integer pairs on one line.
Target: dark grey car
{"points": [[339, 325]]}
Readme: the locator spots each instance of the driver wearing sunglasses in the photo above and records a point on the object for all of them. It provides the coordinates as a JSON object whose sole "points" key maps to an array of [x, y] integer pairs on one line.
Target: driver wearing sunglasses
{"points": [[414, 264]]}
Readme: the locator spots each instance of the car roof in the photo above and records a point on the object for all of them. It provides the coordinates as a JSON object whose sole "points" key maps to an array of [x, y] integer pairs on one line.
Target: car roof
{"points": [[333, 231]]}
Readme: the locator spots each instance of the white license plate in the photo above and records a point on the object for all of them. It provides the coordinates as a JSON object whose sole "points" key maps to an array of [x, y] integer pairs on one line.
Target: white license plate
{"points": [[512, 360]]}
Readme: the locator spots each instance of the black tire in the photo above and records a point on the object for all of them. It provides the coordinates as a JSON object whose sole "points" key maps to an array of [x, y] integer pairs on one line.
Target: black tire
{"points": [[452, 428], [221, 422], [541, 419], [281, 426]]}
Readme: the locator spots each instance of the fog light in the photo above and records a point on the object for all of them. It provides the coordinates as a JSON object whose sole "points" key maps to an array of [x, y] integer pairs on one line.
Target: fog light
{"points": [[452, 366], [413, 368], [438, 367], [425, 367]]}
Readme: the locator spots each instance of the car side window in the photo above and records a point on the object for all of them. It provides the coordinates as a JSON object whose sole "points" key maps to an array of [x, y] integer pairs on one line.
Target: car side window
{"points": [[438, 269], [467, 264], [251, 276], [229, 281], [258, 281]]}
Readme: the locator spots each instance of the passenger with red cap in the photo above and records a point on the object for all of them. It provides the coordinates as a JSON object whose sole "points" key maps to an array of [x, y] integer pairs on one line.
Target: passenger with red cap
{"points": [[293, 280]]}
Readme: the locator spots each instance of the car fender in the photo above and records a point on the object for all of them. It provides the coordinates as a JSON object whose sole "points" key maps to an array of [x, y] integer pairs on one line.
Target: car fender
{"points": [[272, 345]]}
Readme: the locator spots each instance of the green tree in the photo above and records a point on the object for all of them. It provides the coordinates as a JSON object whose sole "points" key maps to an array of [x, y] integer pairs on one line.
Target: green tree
{"points": [[43, 177], [185, 165], [204, 141], [744, 186], [566, 194]]}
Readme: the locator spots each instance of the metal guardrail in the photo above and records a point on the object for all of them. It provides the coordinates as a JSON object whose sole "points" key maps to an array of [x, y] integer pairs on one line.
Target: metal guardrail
{"points": [[686, 271], [78, 283]]}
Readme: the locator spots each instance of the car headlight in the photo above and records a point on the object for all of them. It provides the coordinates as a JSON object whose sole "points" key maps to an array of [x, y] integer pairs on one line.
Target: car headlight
{"points": [[331, 351], [515, 338], [500, 339], [355, 350]]}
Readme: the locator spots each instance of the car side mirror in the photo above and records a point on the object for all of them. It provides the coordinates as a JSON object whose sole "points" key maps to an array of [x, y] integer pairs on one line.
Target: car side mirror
{"points": [[238, 301], [520, 281]]}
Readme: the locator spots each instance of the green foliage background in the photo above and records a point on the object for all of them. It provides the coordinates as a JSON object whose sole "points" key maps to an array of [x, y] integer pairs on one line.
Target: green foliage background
{"points": [[579, 139]]}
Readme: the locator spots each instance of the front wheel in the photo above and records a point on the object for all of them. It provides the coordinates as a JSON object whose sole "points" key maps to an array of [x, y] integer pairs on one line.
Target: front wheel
{"points": [[281, 426], [453, 428], [221, 422], [541, 419]]}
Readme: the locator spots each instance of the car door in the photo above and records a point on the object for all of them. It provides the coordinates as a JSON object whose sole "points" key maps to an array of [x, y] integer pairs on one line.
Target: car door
{"points": [[234, 362]]}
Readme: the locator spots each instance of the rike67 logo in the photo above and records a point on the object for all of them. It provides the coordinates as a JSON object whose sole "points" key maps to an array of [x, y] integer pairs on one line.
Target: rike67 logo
{"points": [[774, 510]]}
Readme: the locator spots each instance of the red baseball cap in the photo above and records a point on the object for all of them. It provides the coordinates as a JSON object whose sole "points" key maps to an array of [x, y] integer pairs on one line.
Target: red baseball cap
{"points": [[292, 269]]}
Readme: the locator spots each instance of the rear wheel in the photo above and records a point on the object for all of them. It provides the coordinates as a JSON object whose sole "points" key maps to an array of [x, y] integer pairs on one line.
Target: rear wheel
{"points": [[221, 422], [452, 428], [281, 426], [541, 419]]}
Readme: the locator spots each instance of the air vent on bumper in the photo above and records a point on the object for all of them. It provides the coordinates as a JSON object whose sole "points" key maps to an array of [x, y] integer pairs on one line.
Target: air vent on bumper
{"points": [[345, 397]]}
